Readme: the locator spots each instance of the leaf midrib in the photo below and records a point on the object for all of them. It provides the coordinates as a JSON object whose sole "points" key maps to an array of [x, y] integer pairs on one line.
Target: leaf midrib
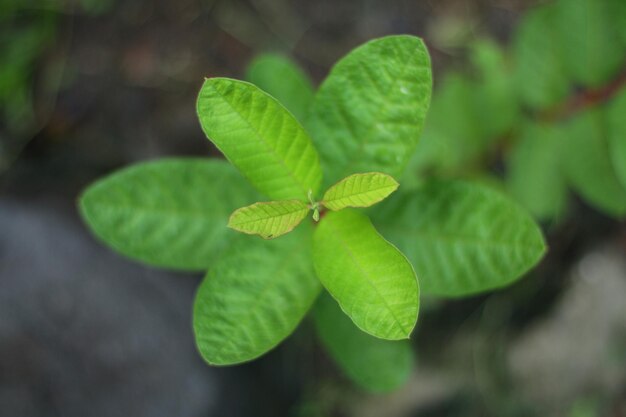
{"points": [[360, 193], [368, 279], [271, 149]]}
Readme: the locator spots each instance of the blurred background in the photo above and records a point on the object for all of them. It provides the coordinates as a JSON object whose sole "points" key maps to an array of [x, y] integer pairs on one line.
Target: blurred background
{"points": [[88, 86]]}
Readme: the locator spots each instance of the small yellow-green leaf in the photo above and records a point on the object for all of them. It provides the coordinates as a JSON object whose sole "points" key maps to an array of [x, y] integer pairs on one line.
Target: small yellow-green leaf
{"points": [[269, 220], [373, 281], [359, 190]]}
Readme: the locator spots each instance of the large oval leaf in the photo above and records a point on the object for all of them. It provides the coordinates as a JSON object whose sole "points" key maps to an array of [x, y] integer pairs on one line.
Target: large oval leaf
{"points": [[374, 364], [253, 297], [169, 213], [283, 79], [260, 137], [372, 281], [368, 114], [462, 238]]}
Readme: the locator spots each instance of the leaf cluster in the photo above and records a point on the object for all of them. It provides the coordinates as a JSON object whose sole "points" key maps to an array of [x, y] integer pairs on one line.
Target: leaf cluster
{"points": [[336, 150]]}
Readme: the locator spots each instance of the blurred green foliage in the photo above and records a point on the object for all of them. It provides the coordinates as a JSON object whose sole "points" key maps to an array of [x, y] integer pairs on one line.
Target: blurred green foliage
{"points": [[29, 75], [550, 108]]}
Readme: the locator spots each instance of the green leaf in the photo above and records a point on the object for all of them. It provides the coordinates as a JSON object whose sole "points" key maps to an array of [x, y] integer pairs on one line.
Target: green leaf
{"points": [[374, 364], [260, 137], [372, 281], [535, 172], [169, 213], [253, 297], [617, 134], [462, 238], [617, 10], [368, 114], [588, 164], [359, 190], [269, 220], [539, 73], [283, 79], [496, 105], [590, 47]]}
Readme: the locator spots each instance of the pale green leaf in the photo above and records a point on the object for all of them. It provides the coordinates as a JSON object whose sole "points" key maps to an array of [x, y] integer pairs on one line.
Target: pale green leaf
{"points": [[535, 172], [462, 238], [372, 281], [260, 137], [269, 220], [368, 114], [588, 163], [253, 297], [374, 364], [589, 44], [169, 213], [539, 73], [617, 134], [283, 79], [359, 190]]}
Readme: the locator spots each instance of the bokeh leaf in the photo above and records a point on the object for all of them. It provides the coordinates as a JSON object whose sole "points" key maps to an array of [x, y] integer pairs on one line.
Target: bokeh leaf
{"points": [[535, 172], [590, 48], [170, 213], [260, 137], [462, 238], [368, 113], [588, 163], [282, 78], [374, 364], [253, 297], [269, 220], [372, 281], [539, 72], [359, 190], [617, 134]]}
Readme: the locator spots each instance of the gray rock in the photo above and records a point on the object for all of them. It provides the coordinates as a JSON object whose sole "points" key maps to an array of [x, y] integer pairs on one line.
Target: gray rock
{"points": [[84, 332]]}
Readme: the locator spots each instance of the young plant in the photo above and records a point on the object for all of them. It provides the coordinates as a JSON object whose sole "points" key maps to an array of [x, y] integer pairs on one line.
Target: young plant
{"points": [[357, 132]]}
